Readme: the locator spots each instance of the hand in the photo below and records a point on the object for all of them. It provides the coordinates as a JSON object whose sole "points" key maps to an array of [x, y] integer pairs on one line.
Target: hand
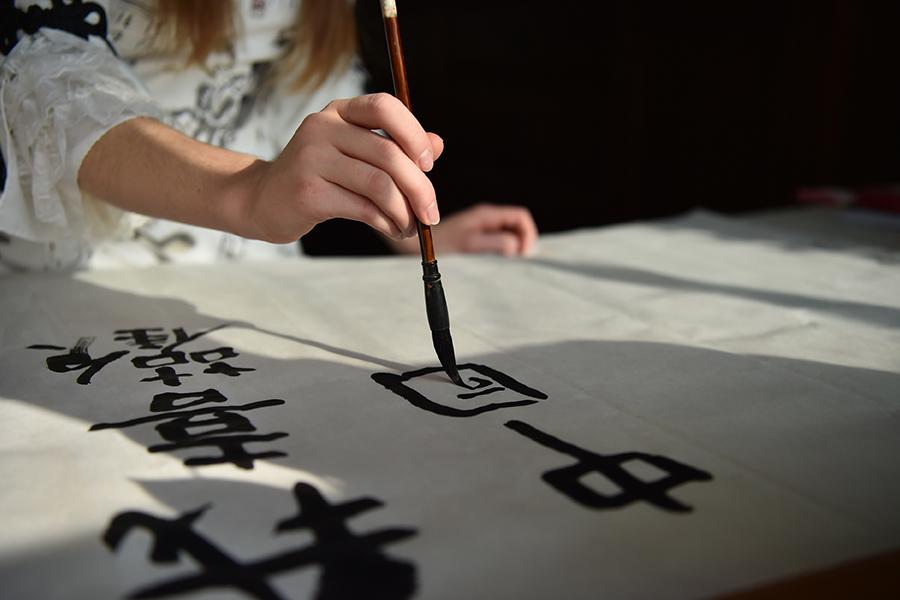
{"points": [[336, 166], [483, 228]]}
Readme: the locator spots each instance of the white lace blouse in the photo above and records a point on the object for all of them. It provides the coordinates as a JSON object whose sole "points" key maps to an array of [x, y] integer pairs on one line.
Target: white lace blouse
{"points": [[73, 70]]}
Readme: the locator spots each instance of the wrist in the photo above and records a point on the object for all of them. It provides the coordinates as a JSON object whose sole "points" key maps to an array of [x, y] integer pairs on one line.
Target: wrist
{"points": [[239, 198]]}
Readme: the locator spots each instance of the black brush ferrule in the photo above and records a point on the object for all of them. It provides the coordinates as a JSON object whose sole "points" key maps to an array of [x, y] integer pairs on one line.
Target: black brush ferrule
{"points": [[435, 302]]}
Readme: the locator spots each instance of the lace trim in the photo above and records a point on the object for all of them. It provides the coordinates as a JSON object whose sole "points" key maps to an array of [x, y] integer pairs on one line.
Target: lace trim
{"points": [[60, 94]]}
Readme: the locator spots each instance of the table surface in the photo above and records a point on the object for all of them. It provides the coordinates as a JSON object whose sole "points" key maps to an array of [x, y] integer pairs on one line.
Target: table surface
{"points": [[701, 406]]}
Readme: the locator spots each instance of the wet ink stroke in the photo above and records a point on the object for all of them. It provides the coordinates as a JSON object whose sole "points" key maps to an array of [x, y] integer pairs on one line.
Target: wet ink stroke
{"points": [[148, 338], [491, 382], [352, 566], [567, 480], [224, 427], [192, 427], [78, 359]]}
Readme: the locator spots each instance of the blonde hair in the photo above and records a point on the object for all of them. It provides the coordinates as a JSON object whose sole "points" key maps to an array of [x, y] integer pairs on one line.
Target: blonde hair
{"points": [[322, 40]]}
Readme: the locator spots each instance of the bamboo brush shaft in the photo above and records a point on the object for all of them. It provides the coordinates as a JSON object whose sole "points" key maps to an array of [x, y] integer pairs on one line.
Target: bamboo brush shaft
{"points": [[401, 90]]}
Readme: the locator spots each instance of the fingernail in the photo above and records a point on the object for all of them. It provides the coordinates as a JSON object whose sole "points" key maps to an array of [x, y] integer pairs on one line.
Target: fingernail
{"points": [[395, 233], [426, 160], [434, 216]]}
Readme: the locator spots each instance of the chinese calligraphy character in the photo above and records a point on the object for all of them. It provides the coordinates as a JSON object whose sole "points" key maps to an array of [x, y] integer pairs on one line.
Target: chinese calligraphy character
{"points": [[78, 359], [168, 356], [567, 480], [222, 427], [215, 359], [441, 399], [168, 376], [352, 566], [145, 339]]}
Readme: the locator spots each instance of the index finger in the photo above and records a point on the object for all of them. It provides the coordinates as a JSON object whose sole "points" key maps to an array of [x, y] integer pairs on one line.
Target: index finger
{"points": [[383, 111]]}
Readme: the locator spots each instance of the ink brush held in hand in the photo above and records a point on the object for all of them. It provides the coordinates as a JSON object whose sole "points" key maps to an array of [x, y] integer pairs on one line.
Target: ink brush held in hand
{"points": [[435, 302]]}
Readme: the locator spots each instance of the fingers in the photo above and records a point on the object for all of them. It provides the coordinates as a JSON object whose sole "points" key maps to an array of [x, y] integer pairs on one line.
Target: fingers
{"points": [[516, 220], [506, 230], [502, 242], [369, 182], [385, 155], [437, 144], [336, 166], [346, 204], [404, 156], [383, 111]]}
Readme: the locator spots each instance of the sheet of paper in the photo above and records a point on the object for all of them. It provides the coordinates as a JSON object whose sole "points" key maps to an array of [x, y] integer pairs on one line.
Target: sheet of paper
{"points": [[674, 409]]}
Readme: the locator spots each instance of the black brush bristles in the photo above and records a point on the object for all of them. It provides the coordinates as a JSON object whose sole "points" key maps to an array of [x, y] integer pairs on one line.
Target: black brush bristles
{"points": [[443, 345], [439, 319]]}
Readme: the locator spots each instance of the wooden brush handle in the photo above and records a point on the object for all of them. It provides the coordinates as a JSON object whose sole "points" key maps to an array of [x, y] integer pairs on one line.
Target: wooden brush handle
{"points": [[401, 90]]}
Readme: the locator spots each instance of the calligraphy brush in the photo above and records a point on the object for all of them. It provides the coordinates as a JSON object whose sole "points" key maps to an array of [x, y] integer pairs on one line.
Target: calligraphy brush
{"points": [[435, 302]]}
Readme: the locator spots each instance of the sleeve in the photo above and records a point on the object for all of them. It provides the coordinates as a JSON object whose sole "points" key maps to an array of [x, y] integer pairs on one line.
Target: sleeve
{"points": [[59, 94]]}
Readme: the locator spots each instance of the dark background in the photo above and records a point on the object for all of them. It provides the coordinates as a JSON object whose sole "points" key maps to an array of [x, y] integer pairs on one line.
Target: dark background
{"points": [[593, 113]]}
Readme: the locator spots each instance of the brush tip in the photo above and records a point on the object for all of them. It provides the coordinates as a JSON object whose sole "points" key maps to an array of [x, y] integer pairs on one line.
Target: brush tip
{"points": [[443, 345]]}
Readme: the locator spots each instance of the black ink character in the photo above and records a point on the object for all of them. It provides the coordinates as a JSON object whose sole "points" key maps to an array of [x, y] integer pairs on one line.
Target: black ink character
{"points": [[146, 338], [168, 376], [168, 356], [222, 427], [78, 359], [491, 382], [352, 566], [215, 359], [567, 479]]}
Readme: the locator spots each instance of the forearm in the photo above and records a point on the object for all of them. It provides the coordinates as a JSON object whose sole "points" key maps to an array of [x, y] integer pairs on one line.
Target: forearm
{"points": [[335, 166], [149, 168]]}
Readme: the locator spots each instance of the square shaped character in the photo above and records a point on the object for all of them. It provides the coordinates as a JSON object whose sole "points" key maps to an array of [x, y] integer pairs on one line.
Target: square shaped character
{"points": [[487, 389]]}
